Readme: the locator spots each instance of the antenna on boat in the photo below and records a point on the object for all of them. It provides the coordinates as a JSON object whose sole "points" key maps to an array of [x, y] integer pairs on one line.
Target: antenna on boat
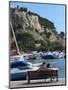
{"points": [[15, 38]]}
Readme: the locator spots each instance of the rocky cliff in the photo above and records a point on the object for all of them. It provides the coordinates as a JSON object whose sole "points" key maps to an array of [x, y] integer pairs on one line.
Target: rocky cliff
{"points": [[41, 30]]}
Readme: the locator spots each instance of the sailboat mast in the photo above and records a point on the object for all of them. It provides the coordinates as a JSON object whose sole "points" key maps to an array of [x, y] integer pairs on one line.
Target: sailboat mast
{"points": [[14, 38]]}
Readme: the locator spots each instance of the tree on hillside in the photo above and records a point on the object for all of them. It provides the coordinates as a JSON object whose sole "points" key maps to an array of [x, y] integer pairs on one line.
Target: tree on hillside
{"points": [[23, 9], [25, 41], [48, 34], [56, 46], [62, 34]]}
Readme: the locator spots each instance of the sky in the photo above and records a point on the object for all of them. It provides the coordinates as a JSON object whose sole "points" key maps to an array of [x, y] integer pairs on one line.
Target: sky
{"points": [[53, 12]]}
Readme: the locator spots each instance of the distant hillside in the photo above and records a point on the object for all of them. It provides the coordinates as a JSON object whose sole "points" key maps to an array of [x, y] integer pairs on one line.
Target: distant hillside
{"points": [[34, 32]]}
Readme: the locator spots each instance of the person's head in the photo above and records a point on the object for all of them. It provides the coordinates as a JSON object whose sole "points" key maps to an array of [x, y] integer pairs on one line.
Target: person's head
{"points": [[43, 63], [48, 65]]}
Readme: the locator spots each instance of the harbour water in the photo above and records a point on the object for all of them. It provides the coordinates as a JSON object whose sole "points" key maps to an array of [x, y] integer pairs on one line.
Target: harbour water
{"points": [[58, 63]]}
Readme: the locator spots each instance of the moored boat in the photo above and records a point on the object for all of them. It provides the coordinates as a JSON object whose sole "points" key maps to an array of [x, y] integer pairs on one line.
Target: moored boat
{"points": [[48, 57]]}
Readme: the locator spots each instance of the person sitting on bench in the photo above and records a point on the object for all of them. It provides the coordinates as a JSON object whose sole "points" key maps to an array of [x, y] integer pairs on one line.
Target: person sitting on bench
{"points": [[42, 66], [48, 65]]}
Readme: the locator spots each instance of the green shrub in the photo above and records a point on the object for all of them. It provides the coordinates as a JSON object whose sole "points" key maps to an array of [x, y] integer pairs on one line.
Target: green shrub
{"points": [[26, 41]]}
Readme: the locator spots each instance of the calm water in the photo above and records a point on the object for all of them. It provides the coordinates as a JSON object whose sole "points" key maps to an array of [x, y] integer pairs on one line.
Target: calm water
{"points": [[59, 63]]}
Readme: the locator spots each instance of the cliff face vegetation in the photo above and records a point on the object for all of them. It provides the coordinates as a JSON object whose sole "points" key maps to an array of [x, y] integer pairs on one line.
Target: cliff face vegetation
{"points": [[34, 32]]}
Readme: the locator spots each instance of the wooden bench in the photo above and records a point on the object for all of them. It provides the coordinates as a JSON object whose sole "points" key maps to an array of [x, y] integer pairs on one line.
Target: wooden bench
{"points": [[45, 74]]}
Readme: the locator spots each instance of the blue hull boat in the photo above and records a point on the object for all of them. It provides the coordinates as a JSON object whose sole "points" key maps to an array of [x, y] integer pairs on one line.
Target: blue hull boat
{"points": [[48, 57], [16, 68]]}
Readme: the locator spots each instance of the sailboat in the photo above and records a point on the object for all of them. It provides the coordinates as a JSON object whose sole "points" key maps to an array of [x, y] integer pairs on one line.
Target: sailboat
{"points": [[19, 66]]}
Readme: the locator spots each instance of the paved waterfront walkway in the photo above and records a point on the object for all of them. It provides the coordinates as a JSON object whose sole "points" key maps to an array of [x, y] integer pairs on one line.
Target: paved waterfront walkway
{"points": [[17, 84]]}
